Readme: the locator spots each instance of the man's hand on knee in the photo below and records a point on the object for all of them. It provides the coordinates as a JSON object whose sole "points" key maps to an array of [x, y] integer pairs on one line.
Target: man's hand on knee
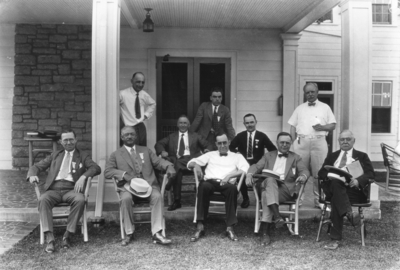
{"points": [[79, 184]]}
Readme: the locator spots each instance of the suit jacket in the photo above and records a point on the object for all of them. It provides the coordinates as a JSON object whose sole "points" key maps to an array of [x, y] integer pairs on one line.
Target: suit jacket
{"points": [[365, 162], [120, 162], [81, 164], [169, 144], [202, 123], [294, 168], [261, 141]]}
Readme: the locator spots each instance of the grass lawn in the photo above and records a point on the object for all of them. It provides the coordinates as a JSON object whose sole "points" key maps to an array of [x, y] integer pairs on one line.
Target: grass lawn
{"points": [[103, 251]]}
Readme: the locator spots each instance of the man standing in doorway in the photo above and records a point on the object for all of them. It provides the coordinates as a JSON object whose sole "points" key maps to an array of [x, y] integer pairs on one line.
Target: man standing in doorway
{"points": [[213, 118], [310, 124], [133, 101]]}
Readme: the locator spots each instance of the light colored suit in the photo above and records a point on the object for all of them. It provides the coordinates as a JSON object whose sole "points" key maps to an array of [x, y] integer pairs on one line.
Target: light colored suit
{"points": [[120, 162], [272, 192]]}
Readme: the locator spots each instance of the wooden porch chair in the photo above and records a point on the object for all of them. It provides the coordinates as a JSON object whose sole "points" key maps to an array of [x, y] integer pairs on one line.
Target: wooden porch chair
{"points": [[392, 174], [184, 183], [291, 215], [64, 215]]}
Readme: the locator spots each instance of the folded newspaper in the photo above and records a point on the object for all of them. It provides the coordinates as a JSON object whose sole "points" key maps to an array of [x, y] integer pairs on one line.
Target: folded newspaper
{"points": [[355, 169]]}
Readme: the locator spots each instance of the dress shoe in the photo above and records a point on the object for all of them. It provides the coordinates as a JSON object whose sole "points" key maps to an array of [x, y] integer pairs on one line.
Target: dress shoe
{"points": [[127, 239], [50, 247], [231, 235], [174, 206], [265, 240], [279, 223], [66, 242], [354, 218], [332, 246], [199, 233], [245, 203], [160, 239]]}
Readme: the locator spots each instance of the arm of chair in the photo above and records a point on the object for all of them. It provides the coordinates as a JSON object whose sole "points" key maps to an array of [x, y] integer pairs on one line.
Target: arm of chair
{"points": [[36, 186], [241, 181], [196, 178], [163, 184], [88, 185]]}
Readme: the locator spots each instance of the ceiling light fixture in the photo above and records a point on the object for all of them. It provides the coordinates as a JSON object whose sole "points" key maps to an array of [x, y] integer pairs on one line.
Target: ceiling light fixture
{"points": [[148, 24]]}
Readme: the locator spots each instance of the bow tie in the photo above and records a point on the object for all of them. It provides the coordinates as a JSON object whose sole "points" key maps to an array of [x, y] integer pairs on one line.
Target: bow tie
{"points": [[223, 155], [311, 103], [283, 155]]}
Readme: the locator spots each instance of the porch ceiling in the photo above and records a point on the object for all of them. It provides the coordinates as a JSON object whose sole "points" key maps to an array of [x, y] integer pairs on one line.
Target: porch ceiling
{"points": [[227, 14]]}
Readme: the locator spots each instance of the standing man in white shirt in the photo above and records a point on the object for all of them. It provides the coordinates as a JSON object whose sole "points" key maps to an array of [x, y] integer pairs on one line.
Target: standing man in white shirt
{"points": [[310, 124], [136, 107]]}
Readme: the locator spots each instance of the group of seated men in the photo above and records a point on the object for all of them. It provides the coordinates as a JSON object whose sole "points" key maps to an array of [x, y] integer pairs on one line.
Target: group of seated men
{"points": [[133, 168]]}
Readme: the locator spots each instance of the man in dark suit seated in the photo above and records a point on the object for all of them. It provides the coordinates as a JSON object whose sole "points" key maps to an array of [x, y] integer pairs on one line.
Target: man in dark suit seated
{"points": [[340, 193], [178, 148], [213, 118], [251, 143], [65, 182], [291, 170], [128, 163]]}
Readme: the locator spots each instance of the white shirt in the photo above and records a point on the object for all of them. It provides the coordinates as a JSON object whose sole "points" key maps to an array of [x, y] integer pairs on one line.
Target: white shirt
{"points": [[304, 117], [218, 167], [69, 176], [129, 148], [186, 141], [349, 159], [252, 143], [213, 108], [280, 166], [127, 101]]}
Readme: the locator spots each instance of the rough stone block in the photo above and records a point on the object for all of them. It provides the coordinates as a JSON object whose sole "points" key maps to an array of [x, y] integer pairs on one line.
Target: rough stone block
{"points": [[86, 55], [21, 38], [25, 60], [88, 106], [46, 79], [60, 46], [42, 36], [19, 142], [41, 72], [41, 113], [17, 100], [87, 136], [49, 59], [25, 29], [87, 74], [44, 51], [88, 126], [23, 49], [47, 122], [52, 104], [27, 117], [65, 96], [65, 114], [50, 66], [83, 82], [46, 31], [22, 70], [84, 145], [40, 43], [84, 116], [70, 54], [48, 26], [20, 152], [80, 45], [41, 96], [58, 38], [24, 126], [26, 80], [52, 87], [16, 119], [64, 79], [85, 28], [74, 108], [83, 98], [77, 73], [85, 36], [72, 37], [81, 64], [77, 124], [18, 91], [67, 29], [29, 89], [20, 162], [21, 109], [64, 69], [73, 88], [17, 134]]}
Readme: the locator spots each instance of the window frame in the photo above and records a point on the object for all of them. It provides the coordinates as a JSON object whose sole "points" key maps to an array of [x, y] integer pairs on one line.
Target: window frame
{"points": [[391, 107]]}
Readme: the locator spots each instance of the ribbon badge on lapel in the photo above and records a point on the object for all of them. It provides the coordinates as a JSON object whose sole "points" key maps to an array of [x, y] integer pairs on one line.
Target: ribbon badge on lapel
{"points": [[141, 156], [73, 167], [256, 142]]}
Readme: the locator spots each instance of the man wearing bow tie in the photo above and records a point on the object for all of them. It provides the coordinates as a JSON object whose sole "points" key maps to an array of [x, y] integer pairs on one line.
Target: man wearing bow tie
{"points": [[310, 124], [223, 167], [291, 170]]}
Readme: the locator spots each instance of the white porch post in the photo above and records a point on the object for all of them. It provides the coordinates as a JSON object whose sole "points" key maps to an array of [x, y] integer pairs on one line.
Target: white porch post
{"points": [[356, 72], [290, 81], [105, 86]]}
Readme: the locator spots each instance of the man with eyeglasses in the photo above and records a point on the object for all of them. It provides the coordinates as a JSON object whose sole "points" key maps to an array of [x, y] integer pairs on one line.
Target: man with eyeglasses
{"points": [[65, 182], [292, 172], [343, 192], [223, 168], [213, 118], [310, 124]]}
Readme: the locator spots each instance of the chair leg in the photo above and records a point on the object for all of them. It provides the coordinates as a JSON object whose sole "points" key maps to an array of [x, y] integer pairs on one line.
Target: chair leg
{"points": [[296, 220], [163, 229], [360, 210], [121, 222], [321, 222], [195, 211], [41, 234], [169, 193], [257, 220], [84, 226]]}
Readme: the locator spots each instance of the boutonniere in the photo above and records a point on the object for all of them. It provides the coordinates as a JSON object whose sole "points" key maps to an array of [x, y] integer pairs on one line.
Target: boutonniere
{"points": [[73, 164], [80, 165], [141, 156]]}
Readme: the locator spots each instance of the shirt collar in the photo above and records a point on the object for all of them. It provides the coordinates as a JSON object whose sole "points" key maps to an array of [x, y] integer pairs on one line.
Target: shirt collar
{"points": [[129, 148], [70, 153], [215, 106], [184, 133], [349, 152]]}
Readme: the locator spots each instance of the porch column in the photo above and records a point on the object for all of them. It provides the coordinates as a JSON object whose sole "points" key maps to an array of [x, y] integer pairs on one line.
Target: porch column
{"points": [[356, 71], [105, 87], [290, 80]]}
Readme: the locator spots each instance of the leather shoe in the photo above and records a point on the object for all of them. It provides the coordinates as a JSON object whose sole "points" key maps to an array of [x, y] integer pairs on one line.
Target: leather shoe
{"points": [[66, 243], [199, 233], [245, 203], [231, 235], [354, 218], [265, 240], [332, 246], [279, 223], [160, 239], [174, 206], [127, 239], [50, 247]]}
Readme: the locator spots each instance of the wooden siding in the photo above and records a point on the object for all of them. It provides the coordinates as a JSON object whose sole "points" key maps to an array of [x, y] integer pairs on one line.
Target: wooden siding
{"points": [[6, 93]]}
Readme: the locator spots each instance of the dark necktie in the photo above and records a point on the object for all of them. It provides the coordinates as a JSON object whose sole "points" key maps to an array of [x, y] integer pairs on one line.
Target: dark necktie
{"points": [[215, 125], [137, 106], [311, 103], [181, 146], [250, 147], [65, 168], [343, 161], [283, 155], [223, 154]]}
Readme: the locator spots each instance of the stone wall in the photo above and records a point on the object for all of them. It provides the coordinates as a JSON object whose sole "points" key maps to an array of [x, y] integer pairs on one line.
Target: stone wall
{"points": [[52, 84]]}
